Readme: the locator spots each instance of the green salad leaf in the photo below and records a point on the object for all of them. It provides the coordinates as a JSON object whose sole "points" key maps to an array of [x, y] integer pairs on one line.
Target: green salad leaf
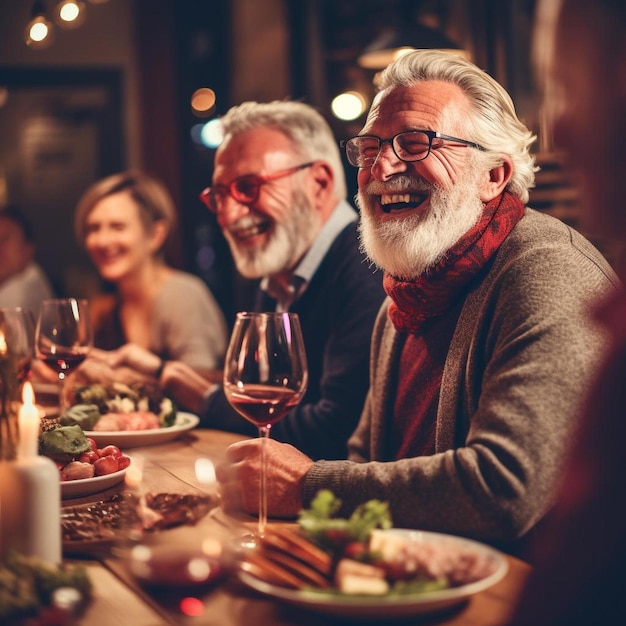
{"points": [[84, 415], [167, 413], [121, 398], [320, 524]]}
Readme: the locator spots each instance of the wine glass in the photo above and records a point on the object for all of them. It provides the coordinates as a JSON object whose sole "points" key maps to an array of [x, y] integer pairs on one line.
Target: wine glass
{"points": [[265, 375], [17, 335], [17, 330], [63, 337]]}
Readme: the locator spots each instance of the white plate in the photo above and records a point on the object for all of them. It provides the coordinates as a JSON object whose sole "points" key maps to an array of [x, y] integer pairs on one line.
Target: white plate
{"points": [[87, 486], [375, 607], [134, 438]]}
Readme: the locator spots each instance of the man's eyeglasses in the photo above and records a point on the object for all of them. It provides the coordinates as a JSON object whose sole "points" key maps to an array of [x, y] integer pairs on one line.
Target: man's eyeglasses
{"points": [[245, 189], [409, 145]]}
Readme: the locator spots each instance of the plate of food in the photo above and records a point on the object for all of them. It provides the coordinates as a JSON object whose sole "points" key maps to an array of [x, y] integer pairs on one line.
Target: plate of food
{"points": [[84, 468], [94, 527], [361, 568], [88, 486], [183, 422], [126, 416]]}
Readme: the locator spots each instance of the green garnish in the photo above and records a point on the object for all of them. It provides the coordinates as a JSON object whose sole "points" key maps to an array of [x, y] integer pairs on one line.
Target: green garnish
{"points": [[332, 533], [28, 586], [84, 415], [122, 398]]}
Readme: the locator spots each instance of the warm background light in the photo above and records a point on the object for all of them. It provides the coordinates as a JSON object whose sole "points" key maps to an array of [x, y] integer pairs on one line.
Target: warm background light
{"points": [[39, 29], [70, 13], [348, 105], [38, 32], [203, 102]]}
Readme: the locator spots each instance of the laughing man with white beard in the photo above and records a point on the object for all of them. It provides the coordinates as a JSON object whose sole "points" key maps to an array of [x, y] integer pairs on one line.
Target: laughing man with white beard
{"points": [[483, 348]]}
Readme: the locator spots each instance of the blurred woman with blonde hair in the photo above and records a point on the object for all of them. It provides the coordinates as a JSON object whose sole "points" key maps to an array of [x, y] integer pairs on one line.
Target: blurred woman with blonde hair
{"points": [[124, 221]]}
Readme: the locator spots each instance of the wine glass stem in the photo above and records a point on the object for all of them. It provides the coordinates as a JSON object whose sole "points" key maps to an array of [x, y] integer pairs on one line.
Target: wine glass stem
{"points": [[264, 433], [62, 407]]}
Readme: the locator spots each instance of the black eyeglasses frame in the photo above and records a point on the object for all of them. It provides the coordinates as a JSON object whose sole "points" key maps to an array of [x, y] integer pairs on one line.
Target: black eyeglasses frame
{"points": [[431, 134]]}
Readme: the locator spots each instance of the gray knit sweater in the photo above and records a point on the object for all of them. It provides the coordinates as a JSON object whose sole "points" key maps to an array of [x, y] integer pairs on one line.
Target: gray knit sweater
{"points": [[518, 366]]}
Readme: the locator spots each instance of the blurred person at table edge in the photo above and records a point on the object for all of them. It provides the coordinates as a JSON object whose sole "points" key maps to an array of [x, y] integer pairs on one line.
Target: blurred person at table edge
{"points": [[279, 194], [23, 283], [483, 348], [123, 221], [580, 555]]}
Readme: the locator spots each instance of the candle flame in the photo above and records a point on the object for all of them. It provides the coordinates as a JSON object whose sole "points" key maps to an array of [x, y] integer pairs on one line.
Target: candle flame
{"points": [[28, 395], [29, 424], [3, 344]]}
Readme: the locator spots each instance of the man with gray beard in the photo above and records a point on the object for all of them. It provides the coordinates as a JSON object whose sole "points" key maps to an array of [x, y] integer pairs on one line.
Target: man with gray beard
{"points": [[279, 194], [484, 347]]}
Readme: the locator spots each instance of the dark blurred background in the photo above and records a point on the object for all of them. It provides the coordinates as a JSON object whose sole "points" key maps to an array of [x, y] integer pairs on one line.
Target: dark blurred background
{"points": [[116, 92]]}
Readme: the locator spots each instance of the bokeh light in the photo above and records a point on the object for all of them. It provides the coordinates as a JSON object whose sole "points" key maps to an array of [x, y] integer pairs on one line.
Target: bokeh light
{"points": [[203, 102], [192, 607], [39, 30], [212, 134], [69, 11], [205, 257], [348, 105]]}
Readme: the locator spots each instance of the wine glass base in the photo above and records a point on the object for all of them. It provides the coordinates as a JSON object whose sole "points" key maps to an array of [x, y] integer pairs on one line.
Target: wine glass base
{"points": [[249, 541]]}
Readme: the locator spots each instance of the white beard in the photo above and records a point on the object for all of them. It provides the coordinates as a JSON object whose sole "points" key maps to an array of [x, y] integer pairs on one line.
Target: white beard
{"points": [[287, 242], [412, 244]]}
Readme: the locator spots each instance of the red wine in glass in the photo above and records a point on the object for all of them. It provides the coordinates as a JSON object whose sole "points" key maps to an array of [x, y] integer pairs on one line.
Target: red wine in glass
{"points": [[262, 405], [63, 337], [265, 375], [62, 363]]}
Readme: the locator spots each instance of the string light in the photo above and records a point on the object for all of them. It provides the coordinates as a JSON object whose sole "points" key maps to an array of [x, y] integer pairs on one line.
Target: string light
{"points": [[70, 13], [203, 102]]}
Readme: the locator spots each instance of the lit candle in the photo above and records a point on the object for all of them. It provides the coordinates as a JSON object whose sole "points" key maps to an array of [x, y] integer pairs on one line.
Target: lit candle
{"points": [[31, 487], [28, 421]]}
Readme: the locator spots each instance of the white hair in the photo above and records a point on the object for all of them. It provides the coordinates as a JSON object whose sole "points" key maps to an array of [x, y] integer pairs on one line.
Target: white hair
{"points": [[494, 123], [308, 131]]}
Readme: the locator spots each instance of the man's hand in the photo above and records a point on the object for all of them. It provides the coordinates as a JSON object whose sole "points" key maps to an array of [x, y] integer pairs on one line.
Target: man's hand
{"points": [[239, 477], [184, 385]]}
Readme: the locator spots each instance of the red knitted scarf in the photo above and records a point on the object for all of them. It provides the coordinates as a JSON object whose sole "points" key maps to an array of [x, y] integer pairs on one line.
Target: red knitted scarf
{"points": [[433, 293]]}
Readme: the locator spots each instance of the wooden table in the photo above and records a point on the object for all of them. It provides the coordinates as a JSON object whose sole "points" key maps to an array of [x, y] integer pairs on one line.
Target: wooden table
{"points": [[169, 467]]}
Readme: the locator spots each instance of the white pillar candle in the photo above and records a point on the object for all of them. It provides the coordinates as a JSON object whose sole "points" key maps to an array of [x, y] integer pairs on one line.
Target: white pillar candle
{"points": [[30, 494]]}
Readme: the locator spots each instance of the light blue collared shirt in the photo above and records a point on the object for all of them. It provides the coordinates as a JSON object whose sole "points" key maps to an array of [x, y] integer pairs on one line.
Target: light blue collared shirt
{"points": [[342, 215]]}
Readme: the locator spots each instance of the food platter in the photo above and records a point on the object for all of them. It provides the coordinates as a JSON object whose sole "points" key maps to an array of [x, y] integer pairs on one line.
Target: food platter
{"points": [[87, 486], [91, 528], [135, 438], [392, 606]]}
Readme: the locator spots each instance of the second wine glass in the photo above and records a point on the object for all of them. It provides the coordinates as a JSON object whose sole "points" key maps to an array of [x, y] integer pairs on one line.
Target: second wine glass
{"points": [[63, 337], [265, 375], [16, 353]]}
